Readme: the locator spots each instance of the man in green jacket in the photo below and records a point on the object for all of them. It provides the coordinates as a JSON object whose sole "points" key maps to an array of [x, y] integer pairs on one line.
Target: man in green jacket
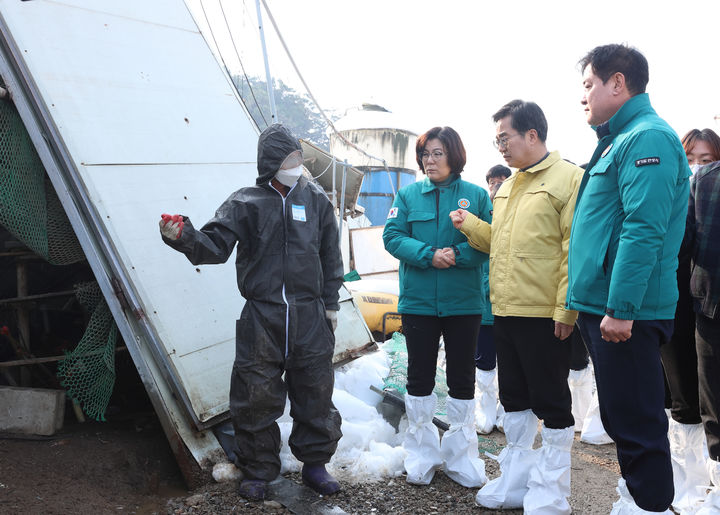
{"points": [[627, 229]]}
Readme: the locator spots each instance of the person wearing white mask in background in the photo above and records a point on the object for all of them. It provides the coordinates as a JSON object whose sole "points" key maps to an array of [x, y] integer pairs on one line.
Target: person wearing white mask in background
{"points": [[679, 358], [289, 270], [702, 147]]}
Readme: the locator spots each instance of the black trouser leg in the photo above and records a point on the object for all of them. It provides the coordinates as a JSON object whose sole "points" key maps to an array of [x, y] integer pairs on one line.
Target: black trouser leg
{"points": [[257, 392], [485, 355], [630, 388], [708, 354], [579, 358], [679, 360], [533, 368], [310, 380], [422, 336]]}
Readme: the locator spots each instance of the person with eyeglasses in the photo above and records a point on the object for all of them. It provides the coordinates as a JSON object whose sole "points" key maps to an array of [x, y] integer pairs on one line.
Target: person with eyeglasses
{"points": [[527, 242], [440, 284]]}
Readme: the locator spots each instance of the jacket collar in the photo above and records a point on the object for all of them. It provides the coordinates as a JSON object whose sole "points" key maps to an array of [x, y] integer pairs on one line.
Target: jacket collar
{"points": [[299, 185], [707, 169], [639, 104], [428, 185], [550, 159]]}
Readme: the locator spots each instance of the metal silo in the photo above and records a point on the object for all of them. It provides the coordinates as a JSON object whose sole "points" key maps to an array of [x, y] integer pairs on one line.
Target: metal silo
{"points": [[378, 132]]}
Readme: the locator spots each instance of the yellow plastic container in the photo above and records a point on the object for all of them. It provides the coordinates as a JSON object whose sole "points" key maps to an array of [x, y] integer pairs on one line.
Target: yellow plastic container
{"points": [[373, 305]]}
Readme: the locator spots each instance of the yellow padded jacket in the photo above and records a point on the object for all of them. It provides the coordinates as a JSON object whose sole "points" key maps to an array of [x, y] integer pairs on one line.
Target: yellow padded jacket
{"points": [[528, 240]]}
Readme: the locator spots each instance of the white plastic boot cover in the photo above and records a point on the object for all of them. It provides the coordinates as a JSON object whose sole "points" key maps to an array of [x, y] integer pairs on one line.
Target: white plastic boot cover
{"points": [[593, 431], [487, 400], [549, 479], [711, 504], [459, 445], [625, 505], [690, 475], [500, 420], [422, 440], [581, 383], [516, 459]]}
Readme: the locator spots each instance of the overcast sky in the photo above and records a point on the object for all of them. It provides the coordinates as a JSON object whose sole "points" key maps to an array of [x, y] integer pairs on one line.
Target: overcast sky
{"points": [[456, 62]]}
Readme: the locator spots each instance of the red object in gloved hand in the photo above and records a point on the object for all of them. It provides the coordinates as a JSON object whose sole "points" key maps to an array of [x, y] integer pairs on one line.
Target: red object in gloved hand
{"points": [[171, 226]]}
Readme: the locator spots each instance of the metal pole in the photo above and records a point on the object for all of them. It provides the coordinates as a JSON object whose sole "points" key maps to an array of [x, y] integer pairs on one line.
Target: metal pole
{"points": [[392, 186], [334, 195], [342, 197], [268, 77], [23, 317]]}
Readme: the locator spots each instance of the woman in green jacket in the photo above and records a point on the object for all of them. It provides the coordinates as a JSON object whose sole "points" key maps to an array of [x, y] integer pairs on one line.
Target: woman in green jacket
{"points": [[440, 295]]}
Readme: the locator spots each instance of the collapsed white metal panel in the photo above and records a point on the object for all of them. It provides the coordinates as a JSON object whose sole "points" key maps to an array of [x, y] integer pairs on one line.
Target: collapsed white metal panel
{"points": [[150, 124], [132, 117]]}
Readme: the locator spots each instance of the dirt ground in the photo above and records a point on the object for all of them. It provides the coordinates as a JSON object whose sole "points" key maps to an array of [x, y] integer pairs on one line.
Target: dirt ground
{"points": [[126, 466]]}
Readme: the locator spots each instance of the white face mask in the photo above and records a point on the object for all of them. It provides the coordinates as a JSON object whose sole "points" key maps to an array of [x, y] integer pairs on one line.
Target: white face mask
{"points": [[289, 177], [694, 168]]}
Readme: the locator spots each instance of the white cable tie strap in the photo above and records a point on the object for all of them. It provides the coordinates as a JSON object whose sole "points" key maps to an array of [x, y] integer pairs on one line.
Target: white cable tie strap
{"points": [[494, 457]]}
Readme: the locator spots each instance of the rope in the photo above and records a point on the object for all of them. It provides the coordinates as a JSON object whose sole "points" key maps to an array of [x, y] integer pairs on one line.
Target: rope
{"points": [[252, 93], [227, 72], [312, 97]]}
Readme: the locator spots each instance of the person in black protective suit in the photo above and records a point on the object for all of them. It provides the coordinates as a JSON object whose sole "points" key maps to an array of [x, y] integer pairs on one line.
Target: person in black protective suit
{"points": [[289, 270]]}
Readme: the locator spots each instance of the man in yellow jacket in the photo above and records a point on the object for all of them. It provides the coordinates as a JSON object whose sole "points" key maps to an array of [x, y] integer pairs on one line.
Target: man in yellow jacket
{"points": [[528, 247]]}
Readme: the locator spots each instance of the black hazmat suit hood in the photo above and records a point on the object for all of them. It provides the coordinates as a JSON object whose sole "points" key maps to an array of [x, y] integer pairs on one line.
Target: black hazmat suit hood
{"points": [[275, 144]]}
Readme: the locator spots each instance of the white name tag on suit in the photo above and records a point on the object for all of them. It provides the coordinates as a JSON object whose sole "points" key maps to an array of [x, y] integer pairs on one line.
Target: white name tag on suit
{"points": [[298, 213]]}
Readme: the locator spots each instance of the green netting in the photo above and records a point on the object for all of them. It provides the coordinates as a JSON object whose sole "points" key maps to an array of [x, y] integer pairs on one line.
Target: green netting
{"points": [[29, 207], [31, 211], [397, 379], [88, 372]]}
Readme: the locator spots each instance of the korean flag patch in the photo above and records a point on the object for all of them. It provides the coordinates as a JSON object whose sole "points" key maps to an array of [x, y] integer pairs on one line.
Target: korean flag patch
{"points": [[393, 213]]}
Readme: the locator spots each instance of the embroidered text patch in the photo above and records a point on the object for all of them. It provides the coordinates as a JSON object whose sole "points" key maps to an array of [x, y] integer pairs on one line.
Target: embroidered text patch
{"points": [[647, 161]]}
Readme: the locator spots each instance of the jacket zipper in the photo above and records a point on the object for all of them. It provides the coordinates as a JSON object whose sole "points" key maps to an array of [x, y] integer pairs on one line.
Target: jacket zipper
{"points": [[437, 230], [285, 247]]}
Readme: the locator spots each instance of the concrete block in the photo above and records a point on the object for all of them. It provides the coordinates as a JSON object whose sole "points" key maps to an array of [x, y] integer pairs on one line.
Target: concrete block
{"points": [[37, 411]]}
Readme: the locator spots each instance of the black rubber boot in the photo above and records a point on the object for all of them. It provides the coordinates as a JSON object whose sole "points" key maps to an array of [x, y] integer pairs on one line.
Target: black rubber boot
{"points": [[253, 489], [317, 478]]}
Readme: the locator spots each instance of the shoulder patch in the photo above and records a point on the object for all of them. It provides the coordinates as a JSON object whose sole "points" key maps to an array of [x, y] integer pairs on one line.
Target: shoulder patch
{"points": [[393, 213], [647, 161]]}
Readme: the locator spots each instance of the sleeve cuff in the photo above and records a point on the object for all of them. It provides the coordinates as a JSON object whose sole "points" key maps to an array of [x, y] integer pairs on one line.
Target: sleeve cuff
{"points": [[621, 315], [565, 316]]}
